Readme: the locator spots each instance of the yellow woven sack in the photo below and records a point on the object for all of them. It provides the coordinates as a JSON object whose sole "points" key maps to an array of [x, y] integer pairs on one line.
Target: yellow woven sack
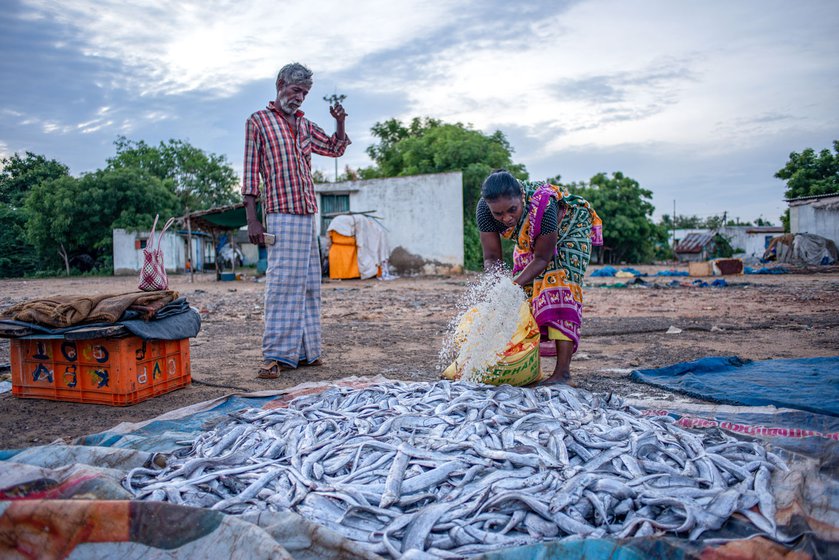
{"points": [[518, 364]]}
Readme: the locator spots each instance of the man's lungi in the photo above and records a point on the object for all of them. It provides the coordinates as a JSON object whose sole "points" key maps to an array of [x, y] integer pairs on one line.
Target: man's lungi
{"points": [[292, 291]]}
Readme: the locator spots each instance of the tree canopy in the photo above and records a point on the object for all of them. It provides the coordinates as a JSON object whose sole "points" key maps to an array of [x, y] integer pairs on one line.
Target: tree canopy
{"points": [[199, 180], [18, 174], [711, 222], [626, 210], [74, 218], [431, 146], [809, 173]]}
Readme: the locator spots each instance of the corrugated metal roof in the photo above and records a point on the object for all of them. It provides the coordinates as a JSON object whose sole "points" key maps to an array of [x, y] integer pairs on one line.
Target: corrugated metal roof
{"points": [[811, 197], [694, 242], [765, 229]]}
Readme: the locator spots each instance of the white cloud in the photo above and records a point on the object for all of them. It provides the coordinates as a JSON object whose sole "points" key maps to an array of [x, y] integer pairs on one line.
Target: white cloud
{"points": [[54, 127], [216, 47], [611, 73], [674, 93]]}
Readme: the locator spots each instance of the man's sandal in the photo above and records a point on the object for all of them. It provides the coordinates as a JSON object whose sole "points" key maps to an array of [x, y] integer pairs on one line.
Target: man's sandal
{"points": [[271, 370], [315, 363]]}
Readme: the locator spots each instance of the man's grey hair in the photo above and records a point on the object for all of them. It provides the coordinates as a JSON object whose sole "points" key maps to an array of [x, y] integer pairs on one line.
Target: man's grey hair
{"points": [[295, 73]]}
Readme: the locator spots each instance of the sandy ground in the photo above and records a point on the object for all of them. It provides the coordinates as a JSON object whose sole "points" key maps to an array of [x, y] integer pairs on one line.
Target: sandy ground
{"points": [[396, 329]]}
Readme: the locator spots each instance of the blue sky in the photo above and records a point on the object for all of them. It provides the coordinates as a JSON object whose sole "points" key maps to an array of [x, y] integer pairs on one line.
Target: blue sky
{"points": [[701, 102]]}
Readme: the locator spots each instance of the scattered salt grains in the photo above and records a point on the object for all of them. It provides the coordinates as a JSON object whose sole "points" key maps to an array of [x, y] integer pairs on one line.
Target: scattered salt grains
{"points": [[493, 304]]}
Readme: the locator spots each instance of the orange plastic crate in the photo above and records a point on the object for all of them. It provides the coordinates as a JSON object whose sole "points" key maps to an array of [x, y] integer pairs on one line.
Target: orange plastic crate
{"points": [[112, 371]]}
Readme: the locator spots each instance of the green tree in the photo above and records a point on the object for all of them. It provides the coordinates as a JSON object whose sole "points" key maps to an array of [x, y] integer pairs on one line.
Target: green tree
{"points": [[199, 180], [17, 256], [18, 175], [809, 174], [71, 218], [626, 210], [722, 247], [682, 221], [319, 176], [431, 146]]}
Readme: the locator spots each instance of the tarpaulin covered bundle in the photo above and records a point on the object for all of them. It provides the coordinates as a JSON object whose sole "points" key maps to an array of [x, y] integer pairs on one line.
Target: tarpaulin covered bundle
{"points": [[359, 237], [804, 383], [802, 249], [149, 315], [67, 487]]}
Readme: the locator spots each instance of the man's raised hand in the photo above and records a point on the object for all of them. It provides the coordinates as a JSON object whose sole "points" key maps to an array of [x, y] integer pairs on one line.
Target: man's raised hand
{"points": [[338, 112]]}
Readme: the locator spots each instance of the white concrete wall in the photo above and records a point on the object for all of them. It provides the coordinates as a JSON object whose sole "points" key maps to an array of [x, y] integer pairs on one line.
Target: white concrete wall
{"points": [[817, 216], [128, 259], [423, 213], [752, 244]]}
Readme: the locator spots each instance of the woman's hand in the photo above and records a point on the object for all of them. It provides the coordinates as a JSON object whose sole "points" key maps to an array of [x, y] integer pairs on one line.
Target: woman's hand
{"points": [[543, 251]]}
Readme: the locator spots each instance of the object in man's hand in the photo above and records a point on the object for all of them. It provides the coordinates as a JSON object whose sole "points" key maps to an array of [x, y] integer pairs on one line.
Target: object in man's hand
{"points": [[269, 238]]}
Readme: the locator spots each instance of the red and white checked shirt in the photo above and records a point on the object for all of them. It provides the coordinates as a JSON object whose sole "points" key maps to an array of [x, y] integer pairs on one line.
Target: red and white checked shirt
{"points": [[283, 157]]}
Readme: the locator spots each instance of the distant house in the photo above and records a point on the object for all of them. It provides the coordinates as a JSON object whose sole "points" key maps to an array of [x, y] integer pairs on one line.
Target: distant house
{"points": [[422, 215], [129, 245], [748, 241], [818, 215], [695, 247], [752, 241]]}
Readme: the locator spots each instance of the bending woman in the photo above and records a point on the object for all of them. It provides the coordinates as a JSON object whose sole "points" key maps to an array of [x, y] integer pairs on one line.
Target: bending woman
{"points": [[554, 232]]}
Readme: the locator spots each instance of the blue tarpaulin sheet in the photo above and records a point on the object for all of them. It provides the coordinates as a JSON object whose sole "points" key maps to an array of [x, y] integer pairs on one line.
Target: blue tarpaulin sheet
{"points": [[765, 270], [606, 271], [810, 384]]}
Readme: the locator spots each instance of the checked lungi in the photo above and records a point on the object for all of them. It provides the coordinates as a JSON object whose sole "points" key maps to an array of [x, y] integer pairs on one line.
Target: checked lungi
{"points": [[292, 291]]}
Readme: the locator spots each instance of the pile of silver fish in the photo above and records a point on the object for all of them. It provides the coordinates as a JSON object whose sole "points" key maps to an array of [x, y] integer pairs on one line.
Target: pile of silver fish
{"points": [[449, 470]]}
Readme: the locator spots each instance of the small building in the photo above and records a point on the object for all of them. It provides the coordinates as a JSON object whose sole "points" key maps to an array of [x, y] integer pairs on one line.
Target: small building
{"points": [[751, 241], [818, 215], [129, 245], [422, 216], [747, 241], [695, 247]]}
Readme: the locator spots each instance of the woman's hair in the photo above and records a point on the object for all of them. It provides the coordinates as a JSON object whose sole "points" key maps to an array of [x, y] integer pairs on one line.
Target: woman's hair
{"points": [[500, 184]]}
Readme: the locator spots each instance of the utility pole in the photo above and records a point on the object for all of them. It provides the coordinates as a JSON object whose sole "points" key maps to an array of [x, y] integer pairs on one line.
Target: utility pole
{"points": [[332, 100], [674, 224]]}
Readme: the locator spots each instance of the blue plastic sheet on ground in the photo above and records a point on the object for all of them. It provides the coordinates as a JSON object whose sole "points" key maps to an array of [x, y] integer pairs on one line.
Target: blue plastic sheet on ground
{"points": [[809, 384], [765, 270], [634, 272], [606, 271], [163, 435], [672, 273], [636, 549]]}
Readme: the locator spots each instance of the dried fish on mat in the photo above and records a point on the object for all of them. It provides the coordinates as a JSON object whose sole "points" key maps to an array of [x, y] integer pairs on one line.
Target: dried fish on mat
{"points": [[456, 469]]}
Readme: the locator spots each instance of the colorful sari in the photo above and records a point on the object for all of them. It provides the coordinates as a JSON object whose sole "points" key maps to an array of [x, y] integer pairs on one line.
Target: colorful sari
{"points": [[556, 296]]}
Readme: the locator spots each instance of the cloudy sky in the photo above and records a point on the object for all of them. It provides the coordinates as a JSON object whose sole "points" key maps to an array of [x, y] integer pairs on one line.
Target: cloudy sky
{"points": [[701, 102]]}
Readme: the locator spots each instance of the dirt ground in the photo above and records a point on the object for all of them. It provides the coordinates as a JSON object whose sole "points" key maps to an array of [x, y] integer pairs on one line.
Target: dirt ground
{"points": [[396, 329]]}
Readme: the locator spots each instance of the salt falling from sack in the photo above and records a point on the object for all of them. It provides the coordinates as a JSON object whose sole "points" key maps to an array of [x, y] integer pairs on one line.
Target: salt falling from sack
{"points": [[493, 302]]}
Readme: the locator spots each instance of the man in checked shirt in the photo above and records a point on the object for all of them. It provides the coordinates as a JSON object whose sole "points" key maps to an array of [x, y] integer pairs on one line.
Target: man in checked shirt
{"points": [[279, 142]]}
